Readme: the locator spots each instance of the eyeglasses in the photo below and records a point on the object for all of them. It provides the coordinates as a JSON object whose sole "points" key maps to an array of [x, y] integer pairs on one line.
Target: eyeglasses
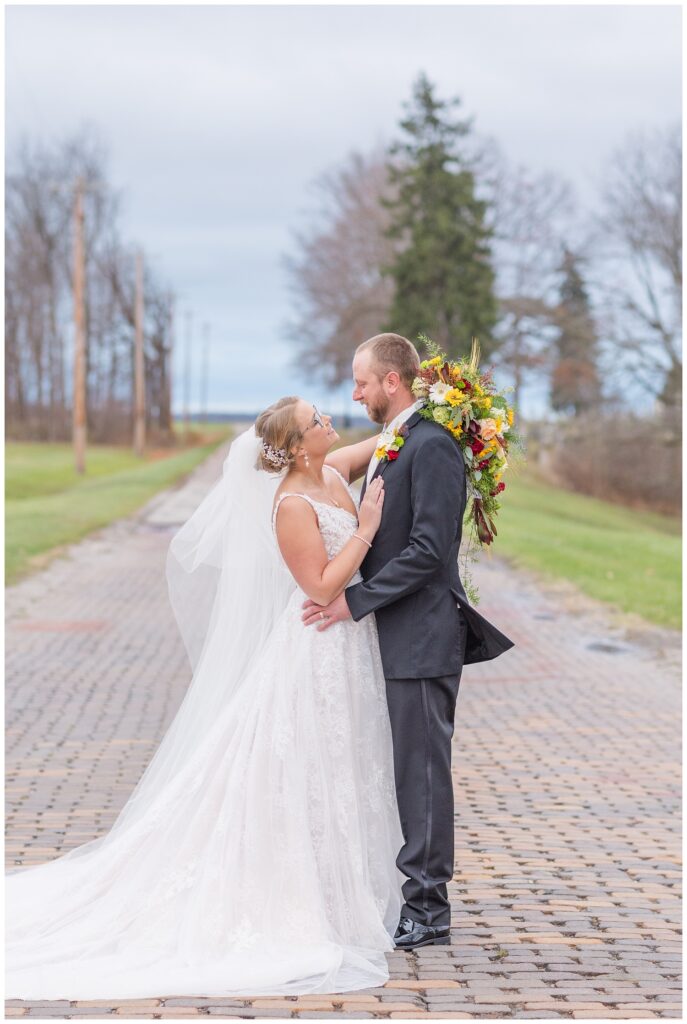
{"points": [[317, 420]]}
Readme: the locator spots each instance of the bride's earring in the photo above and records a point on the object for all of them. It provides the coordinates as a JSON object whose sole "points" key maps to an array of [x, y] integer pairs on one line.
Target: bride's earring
{"points": [[307, 460]]}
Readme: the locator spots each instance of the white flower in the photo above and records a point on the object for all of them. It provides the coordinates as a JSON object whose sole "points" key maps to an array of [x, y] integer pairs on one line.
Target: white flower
{"points": [[420, 387], [438, 391]]}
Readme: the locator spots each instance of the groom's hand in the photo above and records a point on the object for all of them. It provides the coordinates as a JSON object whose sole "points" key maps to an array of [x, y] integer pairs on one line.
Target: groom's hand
{"points": [[324, 616]]}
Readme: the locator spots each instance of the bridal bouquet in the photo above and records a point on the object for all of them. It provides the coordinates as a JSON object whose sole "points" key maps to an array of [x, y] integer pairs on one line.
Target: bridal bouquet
{"points": [[467, 403]]}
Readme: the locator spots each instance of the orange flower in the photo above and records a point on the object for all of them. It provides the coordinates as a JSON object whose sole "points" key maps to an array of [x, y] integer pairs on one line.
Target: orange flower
{"points": [[488, 429]]}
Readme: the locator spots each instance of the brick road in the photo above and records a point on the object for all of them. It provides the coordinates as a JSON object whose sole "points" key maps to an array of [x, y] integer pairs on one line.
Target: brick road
{"points": [[566, 892]]}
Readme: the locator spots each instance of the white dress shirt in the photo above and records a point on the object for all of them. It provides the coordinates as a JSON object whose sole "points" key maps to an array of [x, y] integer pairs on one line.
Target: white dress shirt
{"points": [[387, 434]]}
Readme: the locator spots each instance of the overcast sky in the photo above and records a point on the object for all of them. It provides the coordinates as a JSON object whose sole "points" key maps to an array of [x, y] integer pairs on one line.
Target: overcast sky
{"points": [[217, 118]]}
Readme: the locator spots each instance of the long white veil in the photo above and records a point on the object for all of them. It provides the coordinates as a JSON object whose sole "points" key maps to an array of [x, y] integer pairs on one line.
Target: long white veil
{"points": [[227, 584]]}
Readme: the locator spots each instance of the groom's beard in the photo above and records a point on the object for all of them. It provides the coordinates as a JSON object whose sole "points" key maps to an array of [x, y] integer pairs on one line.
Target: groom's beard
{"points": [[378, 412]]}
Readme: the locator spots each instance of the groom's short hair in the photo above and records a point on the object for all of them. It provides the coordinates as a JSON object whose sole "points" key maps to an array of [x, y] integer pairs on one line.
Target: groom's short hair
{"points": [[392, 352]]}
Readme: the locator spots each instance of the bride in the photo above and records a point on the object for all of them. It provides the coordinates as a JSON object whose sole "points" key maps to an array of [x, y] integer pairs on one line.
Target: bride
{"points": [[256, 855]]}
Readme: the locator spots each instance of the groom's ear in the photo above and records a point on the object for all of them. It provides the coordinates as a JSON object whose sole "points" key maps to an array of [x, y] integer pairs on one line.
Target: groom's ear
{"points": [[393, 380]]}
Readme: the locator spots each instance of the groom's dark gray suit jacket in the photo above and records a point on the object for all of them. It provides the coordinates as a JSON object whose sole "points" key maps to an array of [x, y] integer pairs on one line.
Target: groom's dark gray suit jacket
{"points": [[410, 575]]}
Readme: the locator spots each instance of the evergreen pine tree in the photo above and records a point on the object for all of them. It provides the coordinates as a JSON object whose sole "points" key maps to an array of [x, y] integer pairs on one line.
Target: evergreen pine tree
{"points": [[442, 272], [575, 384]]}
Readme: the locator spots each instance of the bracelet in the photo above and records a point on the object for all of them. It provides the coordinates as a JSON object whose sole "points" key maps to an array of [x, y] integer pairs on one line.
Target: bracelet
{"points": [[362, 539]]}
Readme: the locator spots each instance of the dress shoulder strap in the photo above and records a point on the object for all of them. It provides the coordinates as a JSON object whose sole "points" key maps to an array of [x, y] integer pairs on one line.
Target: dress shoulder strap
{"points": [[292, 494], [342, 478]]}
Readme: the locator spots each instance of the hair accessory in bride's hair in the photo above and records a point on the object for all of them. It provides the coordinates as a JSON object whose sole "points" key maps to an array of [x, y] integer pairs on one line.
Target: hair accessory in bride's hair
{"points": [[276, 456]]}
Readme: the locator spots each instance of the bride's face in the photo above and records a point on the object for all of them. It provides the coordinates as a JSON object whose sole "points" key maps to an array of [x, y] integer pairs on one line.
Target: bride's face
{"points": [[318, 434]]}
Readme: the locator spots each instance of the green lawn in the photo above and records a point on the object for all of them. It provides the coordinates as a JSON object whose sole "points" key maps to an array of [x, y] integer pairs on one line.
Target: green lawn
{"points": [[48, 505], [628, 558]]}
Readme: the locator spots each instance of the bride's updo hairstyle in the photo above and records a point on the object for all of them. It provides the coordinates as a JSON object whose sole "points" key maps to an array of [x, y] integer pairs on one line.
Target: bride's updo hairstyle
{"points": [[279, 432]]}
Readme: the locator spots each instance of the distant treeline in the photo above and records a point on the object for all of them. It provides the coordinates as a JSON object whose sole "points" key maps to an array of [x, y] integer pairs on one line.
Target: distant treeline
{"points": [[39, 194], [439, 234], [345, 420]]}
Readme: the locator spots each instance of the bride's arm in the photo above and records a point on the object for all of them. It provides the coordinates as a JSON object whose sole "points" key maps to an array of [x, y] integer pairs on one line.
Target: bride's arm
{"points": [[352, 460], [303, 550]]}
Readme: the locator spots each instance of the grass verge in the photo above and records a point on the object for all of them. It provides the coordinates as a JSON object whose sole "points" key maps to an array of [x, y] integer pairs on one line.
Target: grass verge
{"points": [[630, 559], [48, 505]]}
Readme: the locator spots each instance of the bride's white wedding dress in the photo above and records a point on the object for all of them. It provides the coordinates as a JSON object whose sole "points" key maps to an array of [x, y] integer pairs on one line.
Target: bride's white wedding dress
{"points": [[257, 854]]}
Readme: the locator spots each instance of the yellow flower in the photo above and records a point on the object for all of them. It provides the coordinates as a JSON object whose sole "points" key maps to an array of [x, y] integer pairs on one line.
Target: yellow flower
{"points": [[427, 363], [486, 402], [477, 389], [510, 417], [380, 453], [455, 396], [455, 429]]}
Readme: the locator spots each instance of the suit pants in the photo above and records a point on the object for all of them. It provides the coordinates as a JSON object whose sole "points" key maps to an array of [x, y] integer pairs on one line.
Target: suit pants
{"points": [[421, 712]]}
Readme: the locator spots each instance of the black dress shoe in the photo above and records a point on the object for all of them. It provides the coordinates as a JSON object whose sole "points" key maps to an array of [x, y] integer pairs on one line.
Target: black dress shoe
{"points": [[410, 935]]}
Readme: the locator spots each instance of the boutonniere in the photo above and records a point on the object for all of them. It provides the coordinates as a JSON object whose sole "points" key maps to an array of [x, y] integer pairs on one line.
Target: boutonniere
{"points": [[390, 443]]}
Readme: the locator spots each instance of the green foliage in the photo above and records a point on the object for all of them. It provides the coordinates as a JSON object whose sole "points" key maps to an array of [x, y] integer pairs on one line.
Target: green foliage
{"points": [[443, 276], [432, 348]]}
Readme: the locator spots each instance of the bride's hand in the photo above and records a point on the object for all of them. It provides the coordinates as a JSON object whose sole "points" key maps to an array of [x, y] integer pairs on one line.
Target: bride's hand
{"points": [[370, 512]]}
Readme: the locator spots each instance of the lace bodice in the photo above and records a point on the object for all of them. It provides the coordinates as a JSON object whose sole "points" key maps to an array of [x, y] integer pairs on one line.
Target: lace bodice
{"points": [[336, 525]]}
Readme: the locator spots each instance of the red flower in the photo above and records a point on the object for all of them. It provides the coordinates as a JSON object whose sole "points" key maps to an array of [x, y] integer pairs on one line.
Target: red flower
{"points": [[499, 487], [476, 446], [483, 464], [392, 454]]}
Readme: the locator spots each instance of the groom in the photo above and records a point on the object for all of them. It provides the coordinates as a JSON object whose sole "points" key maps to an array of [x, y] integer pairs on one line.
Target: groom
{"points": [[427, 629]]}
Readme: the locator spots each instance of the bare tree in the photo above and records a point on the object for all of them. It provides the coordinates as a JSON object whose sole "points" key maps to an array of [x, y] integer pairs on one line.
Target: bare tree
{"points": [[336, 268], [37, 271], [39, 200], [158, 359], [638, 278], [38, 286], [532, 220]]}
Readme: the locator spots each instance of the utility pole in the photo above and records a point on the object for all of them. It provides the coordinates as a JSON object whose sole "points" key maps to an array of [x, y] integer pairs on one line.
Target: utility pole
{"points": [[204, 386], [139, 364], [168, 369], [79, 385], [187, 374]]}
